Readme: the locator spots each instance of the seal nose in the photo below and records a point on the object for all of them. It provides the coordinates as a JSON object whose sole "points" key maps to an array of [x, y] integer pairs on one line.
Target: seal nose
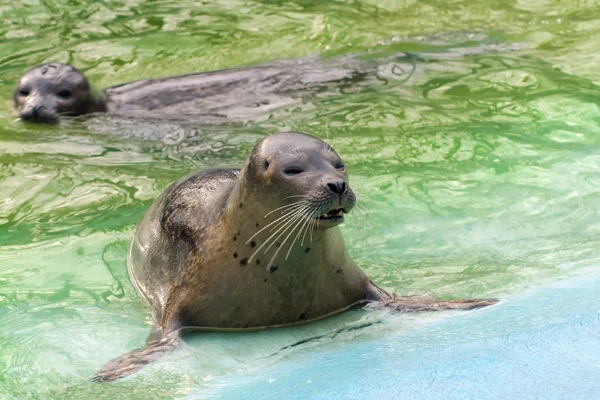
{"points": [[33, 112], [38, 113], [338, 187]]}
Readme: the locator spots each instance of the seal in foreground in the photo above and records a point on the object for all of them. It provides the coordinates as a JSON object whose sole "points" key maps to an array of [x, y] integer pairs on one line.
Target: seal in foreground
{"points": [[253, 248]]}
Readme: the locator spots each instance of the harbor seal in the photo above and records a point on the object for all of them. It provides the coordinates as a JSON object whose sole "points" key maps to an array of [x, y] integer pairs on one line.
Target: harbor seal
{"points": [[254, 93], [255, 248], [48, 92]]}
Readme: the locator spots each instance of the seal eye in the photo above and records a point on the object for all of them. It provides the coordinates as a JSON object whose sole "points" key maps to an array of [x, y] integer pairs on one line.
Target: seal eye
{"points": [[65, 93], [24, 92], [293, 171], [339, 165]]}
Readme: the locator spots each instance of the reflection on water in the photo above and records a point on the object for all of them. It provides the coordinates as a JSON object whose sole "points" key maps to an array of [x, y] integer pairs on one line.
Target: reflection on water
{"points": [[482, 170]]}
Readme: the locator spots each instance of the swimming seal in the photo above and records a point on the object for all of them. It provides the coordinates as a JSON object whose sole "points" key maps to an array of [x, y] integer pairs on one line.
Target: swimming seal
{"points": [[48, 92], [255, 248]]}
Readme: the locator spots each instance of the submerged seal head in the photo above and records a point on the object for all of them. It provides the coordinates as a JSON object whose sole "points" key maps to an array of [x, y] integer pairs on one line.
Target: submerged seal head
{"points": [[48, 91]]}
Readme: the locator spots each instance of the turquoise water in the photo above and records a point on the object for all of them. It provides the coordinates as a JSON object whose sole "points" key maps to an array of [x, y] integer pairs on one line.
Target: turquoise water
{"points": [[482, 172]]}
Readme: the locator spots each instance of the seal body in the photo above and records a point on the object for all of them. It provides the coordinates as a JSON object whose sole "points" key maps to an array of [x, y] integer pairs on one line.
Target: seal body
{"points": [[237, 94], [212, 250]]}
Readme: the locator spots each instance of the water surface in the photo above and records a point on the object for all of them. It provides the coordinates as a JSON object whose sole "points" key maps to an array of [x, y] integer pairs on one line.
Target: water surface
{"points": [[482, 172]]}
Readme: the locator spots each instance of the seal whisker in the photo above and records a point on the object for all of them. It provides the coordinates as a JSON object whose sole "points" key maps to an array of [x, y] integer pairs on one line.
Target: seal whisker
{"points": [[306, 222], [286, 206], [310, 228], [310, 225], [367, 218], [288, 217], [315, 224], [274, 222], [359, 216], [293, 227], [357, 224], [278, 225], [365, 208], [365, 214], [285, 227]]}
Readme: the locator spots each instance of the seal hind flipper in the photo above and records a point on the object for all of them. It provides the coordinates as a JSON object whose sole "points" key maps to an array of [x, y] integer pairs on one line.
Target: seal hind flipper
{"points": [[133, 361], [420, 303], [379, 298]]}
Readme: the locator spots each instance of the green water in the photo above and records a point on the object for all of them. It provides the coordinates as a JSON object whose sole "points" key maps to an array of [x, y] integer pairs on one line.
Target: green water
{"points": [[482, 171]]}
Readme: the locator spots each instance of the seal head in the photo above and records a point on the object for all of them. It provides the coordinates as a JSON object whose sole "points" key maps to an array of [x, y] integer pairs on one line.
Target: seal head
{"points": [[293, 169], [49, 91]]}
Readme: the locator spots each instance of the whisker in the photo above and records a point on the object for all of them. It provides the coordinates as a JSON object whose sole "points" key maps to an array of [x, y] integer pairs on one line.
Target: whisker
{"points": [[284, 228], [299, 195], [312, 221], [365, 208], [312, 227], [362, 216], [282, 225], [286, 206], [299, 219], [306, 222], [298, 206], [365, 212], [357, 224]]}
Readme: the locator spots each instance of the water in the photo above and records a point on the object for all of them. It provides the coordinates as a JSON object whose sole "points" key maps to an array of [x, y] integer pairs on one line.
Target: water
{"points": [[482, 172]]}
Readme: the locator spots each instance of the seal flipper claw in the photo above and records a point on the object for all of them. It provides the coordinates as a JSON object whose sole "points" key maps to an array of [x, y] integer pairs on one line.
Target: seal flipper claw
{"points": [[133, 361]]}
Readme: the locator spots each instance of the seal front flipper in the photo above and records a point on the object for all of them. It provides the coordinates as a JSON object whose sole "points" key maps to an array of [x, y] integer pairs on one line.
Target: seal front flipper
{"points": [[379, 298], [133, 361]]}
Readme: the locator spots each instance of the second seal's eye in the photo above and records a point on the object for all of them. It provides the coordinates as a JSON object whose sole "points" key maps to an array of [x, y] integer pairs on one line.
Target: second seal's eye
{"points": [[24, 92], [65, 93], [339, 165], [293, 171]]}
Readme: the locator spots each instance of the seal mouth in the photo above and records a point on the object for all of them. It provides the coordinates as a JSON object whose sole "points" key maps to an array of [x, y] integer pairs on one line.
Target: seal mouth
{"points": [[336, 215]]}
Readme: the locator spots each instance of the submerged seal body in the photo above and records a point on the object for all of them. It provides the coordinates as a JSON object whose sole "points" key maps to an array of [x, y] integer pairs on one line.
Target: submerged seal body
{"points": [[253, 248]]}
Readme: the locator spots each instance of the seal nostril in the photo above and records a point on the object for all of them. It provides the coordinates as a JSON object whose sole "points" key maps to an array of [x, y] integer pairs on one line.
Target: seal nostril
{"points": [[338, 188]]}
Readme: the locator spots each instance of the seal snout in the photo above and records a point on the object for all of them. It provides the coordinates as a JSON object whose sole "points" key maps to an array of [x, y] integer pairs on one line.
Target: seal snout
{"points": [[38, 113], [340, 201]]}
